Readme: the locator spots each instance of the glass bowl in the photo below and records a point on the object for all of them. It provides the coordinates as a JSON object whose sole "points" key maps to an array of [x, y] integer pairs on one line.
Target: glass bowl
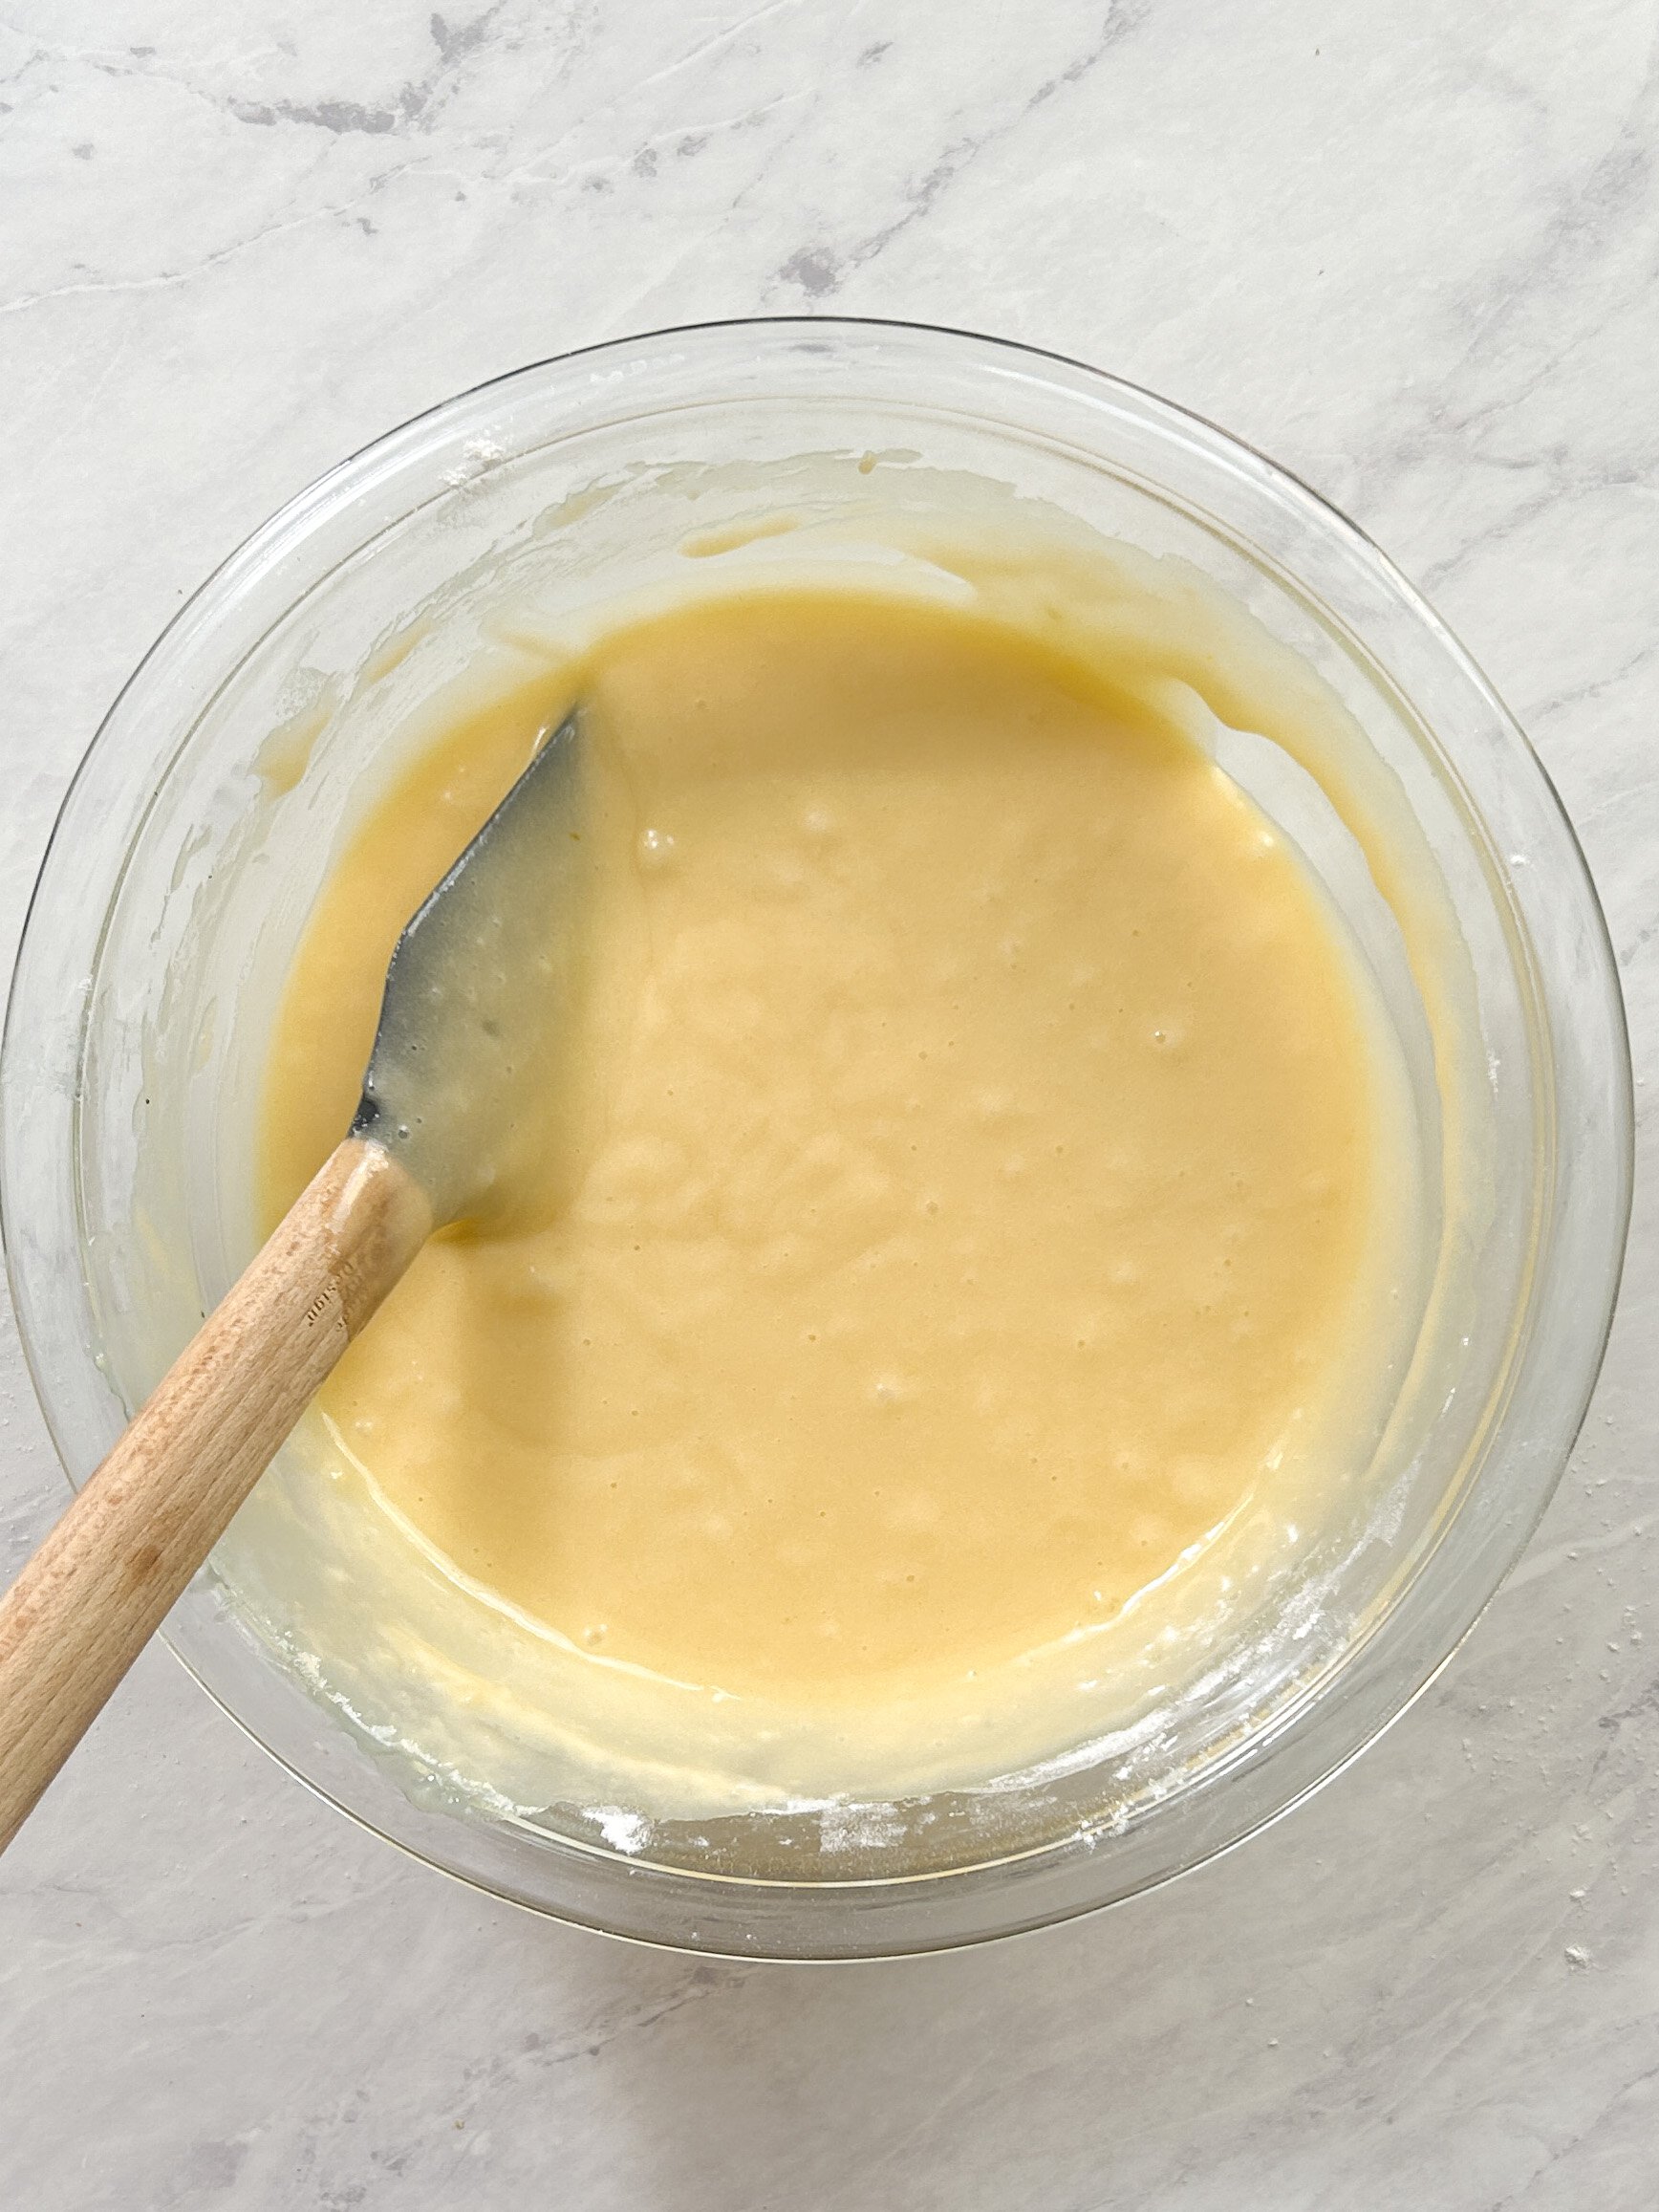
{"points": [[203, 818]]}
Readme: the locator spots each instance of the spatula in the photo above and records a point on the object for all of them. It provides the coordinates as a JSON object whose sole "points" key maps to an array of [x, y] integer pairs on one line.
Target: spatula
{"points": [[469, 1020]]}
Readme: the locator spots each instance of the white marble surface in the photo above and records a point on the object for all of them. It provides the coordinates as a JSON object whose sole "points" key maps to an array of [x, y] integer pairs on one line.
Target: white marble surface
{"points": [[1412, 250]]}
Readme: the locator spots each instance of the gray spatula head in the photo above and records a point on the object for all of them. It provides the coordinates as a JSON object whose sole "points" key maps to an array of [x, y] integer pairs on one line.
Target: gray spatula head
{"points": [[477, 993]]}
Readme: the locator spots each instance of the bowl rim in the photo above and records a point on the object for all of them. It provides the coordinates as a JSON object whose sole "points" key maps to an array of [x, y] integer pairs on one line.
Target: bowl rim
{"points": [[344, 488]]}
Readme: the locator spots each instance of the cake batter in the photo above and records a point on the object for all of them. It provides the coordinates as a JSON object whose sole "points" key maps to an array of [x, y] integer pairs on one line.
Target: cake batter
{"points": [[959, 1197]]}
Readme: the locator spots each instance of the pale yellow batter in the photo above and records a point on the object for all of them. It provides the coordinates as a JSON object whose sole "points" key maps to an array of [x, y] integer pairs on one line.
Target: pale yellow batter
{"points": [[962, 1200]]}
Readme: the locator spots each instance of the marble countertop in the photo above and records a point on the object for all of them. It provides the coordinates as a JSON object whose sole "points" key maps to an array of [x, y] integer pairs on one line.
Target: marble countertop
{"points": [[1412, 250]]}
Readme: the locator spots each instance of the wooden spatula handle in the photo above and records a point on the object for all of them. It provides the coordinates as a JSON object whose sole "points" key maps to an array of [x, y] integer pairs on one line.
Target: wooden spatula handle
{"points": [[103, 1580]]}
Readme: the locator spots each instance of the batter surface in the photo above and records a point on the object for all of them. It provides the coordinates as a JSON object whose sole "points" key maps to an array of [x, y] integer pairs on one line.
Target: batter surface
{"points": [[960, 1199]]}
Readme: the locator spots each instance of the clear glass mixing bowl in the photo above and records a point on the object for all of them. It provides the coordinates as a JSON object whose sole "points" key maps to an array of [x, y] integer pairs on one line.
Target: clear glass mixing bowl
{"points": [[203, 819]]}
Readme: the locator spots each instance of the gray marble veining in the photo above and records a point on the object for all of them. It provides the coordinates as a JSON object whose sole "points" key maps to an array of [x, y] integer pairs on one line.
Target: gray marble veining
{"points": [[1412, 250]]}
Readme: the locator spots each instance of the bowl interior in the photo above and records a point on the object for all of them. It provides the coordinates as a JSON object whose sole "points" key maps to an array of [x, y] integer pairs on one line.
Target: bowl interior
{"points": [[300, 681]]}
